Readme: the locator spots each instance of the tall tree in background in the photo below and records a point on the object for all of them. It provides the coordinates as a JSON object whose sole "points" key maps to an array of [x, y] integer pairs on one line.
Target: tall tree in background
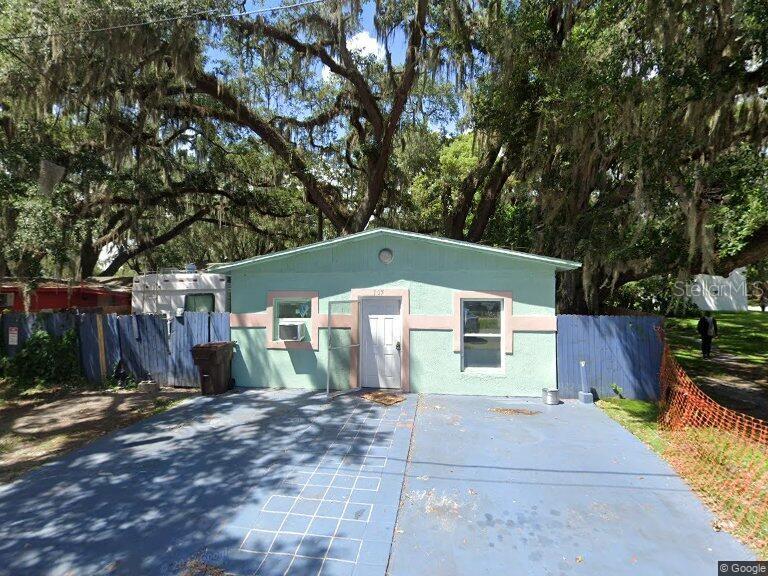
{"points": [[128, 194], [629, 135], [635, 132], [327, 112]]}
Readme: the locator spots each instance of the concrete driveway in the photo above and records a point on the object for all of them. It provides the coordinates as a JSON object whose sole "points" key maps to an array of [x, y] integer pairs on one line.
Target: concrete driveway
{"points": [[260, 481], [285, 483], [564, 490]]}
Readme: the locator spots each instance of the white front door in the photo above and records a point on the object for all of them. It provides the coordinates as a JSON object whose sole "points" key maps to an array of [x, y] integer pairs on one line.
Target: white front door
{"points": [[381, 331]]}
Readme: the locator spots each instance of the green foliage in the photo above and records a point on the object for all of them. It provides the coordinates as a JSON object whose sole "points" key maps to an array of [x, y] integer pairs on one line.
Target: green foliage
{"points": [[434, 188], [128, 382], [512, 225], [740, 180], [662, 295], [618, 390], [44, 361], [627, 135], [162, 404]]}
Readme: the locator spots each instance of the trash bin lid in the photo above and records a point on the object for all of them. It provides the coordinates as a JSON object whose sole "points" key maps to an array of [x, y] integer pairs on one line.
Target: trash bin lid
{"points": [[211, 350]]}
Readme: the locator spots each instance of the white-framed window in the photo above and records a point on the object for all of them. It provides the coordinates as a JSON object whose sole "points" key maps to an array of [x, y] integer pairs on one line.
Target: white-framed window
{"points": [[482, 346], [292, 312]]}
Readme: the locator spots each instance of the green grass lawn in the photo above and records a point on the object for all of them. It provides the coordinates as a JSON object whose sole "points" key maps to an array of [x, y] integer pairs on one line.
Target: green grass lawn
{"points": [[742, 334], [639, 417]]}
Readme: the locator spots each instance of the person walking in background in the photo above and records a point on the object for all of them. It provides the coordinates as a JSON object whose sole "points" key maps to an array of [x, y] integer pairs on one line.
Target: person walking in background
{"points": [[707, 329], [763, 301]]}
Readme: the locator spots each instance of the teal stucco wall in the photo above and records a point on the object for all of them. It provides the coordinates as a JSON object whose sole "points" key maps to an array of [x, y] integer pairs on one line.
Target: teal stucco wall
{"points": [[431, 273]]}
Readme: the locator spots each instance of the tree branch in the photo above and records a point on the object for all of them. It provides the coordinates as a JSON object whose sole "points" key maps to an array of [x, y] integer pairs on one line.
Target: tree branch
{"points": [[490, 198], [323, 195], [457, 218], [320, 119], [755, 250], [378, 163], [348, 70], [125, 256]]}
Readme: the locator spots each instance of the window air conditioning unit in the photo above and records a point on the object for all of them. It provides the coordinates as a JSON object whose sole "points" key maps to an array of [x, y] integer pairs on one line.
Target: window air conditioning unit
{"points": [[290, 331], [6, 300]]}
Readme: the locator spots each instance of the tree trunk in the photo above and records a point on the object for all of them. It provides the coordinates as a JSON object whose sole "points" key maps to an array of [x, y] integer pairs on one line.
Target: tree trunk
{"points": [[489, 200], [570, 293], [88, 258], [320, 222]]}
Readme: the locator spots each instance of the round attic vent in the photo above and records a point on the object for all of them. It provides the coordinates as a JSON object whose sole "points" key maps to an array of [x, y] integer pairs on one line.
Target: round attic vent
{"points": [[386, 256]]}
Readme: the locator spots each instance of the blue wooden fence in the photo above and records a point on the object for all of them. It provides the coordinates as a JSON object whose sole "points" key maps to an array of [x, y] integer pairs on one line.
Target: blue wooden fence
{"points": [[149, 346], [621, 350]]}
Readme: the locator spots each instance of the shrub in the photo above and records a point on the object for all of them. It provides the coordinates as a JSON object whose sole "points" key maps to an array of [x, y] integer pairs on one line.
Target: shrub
{"points": [[45, 361]]}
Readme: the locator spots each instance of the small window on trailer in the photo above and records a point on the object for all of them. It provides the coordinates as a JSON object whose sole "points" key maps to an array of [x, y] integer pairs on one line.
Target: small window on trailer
{"points": [[199, 303], [6, 300]]}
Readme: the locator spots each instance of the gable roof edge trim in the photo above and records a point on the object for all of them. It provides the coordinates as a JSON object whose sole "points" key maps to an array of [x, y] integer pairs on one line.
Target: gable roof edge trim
{"points": [[557, 263]]}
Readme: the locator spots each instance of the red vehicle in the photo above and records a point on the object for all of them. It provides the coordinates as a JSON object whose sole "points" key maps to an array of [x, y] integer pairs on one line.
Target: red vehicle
{"points": [[47, 295]]}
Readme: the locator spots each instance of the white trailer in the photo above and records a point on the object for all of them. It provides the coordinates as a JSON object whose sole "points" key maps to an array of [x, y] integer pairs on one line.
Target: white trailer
{"points": [[173, 292]]}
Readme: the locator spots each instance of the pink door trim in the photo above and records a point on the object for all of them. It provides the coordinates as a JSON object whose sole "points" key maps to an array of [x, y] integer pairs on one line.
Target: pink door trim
{"points": [[460, 295], [405, 341]]}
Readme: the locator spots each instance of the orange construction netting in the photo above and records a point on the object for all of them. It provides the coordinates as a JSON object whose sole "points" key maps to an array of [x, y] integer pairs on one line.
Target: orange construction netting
{"points": [[721, 453]]}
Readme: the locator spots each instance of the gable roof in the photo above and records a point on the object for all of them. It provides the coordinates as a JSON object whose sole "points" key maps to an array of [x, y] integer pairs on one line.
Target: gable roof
{"points": [[556, 263]]}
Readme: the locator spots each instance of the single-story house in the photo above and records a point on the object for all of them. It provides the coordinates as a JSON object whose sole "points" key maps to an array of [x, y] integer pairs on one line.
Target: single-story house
{"points": [[406, 311]]}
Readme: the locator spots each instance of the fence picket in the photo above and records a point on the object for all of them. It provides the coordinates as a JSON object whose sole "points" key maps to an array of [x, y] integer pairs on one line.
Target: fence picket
{"points": [[621, 350], [142, 342]]}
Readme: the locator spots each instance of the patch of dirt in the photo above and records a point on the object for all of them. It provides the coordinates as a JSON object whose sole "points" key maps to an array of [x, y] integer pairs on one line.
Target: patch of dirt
{"points": [[37, 428], [515, 411], [199, 568], [385, 398], [737, 385]]}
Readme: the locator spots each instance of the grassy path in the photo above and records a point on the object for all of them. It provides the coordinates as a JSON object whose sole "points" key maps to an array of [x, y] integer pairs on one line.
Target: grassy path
{"points": [[737, 374]]}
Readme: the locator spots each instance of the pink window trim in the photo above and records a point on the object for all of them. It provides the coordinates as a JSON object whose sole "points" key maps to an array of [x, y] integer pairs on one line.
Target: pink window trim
{"points": [[248, 320], [460, 295], [534, 324], [314, 329]]}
